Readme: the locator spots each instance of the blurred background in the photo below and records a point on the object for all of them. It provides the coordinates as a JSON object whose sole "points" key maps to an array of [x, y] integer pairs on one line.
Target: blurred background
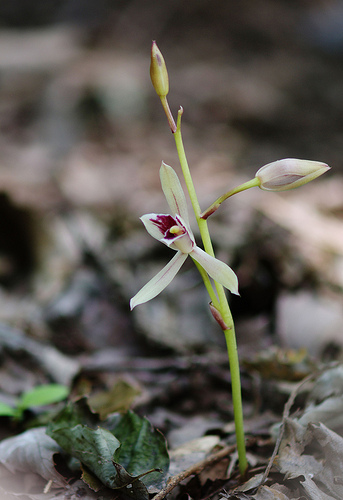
{"points": [[82, 135]]}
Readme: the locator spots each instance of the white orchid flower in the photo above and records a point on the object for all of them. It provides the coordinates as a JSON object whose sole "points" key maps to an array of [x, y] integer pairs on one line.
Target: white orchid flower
{"points": [[174, 231]]}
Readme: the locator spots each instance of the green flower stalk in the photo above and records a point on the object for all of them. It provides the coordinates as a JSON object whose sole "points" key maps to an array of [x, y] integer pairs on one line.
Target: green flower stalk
{"points": [[219, 306], [216, 204]]}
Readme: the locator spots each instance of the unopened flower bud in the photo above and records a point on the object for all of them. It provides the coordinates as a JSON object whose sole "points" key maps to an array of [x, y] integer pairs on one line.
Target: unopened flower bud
{"points": [[158, 71], [289, 173]]}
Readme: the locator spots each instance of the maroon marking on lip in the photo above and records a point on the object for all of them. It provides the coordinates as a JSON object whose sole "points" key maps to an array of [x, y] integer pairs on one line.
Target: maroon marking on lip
{"points": [[164, 223]]}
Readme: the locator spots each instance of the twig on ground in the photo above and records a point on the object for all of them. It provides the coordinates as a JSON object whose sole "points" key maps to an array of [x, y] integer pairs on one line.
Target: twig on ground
{"points": [[194, 469]]}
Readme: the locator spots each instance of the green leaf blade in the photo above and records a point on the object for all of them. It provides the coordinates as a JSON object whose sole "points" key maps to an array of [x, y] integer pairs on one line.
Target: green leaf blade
{"points": [[6, 410], [93, 447], [120, 455], [143, 448], [43, 395]]}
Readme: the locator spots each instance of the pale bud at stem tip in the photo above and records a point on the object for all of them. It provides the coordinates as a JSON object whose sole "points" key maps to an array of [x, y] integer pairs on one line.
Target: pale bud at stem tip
{"points": [[160, 80], [289, 173], [158, 71]]}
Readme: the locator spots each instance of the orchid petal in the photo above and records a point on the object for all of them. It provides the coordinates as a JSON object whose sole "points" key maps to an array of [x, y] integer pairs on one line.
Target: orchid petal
{"points": [[159, 282], [173, 192], [153, 229], [218, 270]]}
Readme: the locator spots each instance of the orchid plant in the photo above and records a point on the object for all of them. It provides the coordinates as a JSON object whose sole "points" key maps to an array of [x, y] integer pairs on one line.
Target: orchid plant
{"points": [[174, 231]]}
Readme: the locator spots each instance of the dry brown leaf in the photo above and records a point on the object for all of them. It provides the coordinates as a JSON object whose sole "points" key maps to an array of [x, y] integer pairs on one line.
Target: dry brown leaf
{"points": [[27, 455], [188, 454], [314, 454], [270, 493]]}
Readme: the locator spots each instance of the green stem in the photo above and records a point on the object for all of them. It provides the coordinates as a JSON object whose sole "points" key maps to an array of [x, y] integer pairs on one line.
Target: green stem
{"points": [[184, 166], [236, 390], [216, 204], [207, 284], [220, 303]]}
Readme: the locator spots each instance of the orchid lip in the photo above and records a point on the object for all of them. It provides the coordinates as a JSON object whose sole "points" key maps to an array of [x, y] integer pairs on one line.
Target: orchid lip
{"points": [[164, 224], [174, 231], [171, 228]]}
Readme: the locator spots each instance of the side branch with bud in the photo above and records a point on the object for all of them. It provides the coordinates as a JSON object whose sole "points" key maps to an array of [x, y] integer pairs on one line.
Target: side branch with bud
{"points": [[280, 175]]}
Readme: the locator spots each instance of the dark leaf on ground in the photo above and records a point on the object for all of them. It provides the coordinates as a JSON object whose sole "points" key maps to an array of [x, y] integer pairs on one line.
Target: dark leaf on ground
{"points": [[124, 453]]}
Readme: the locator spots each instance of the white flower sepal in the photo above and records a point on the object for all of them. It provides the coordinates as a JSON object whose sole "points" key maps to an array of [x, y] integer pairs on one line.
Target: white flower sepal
{"points": [[174, 231]]}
